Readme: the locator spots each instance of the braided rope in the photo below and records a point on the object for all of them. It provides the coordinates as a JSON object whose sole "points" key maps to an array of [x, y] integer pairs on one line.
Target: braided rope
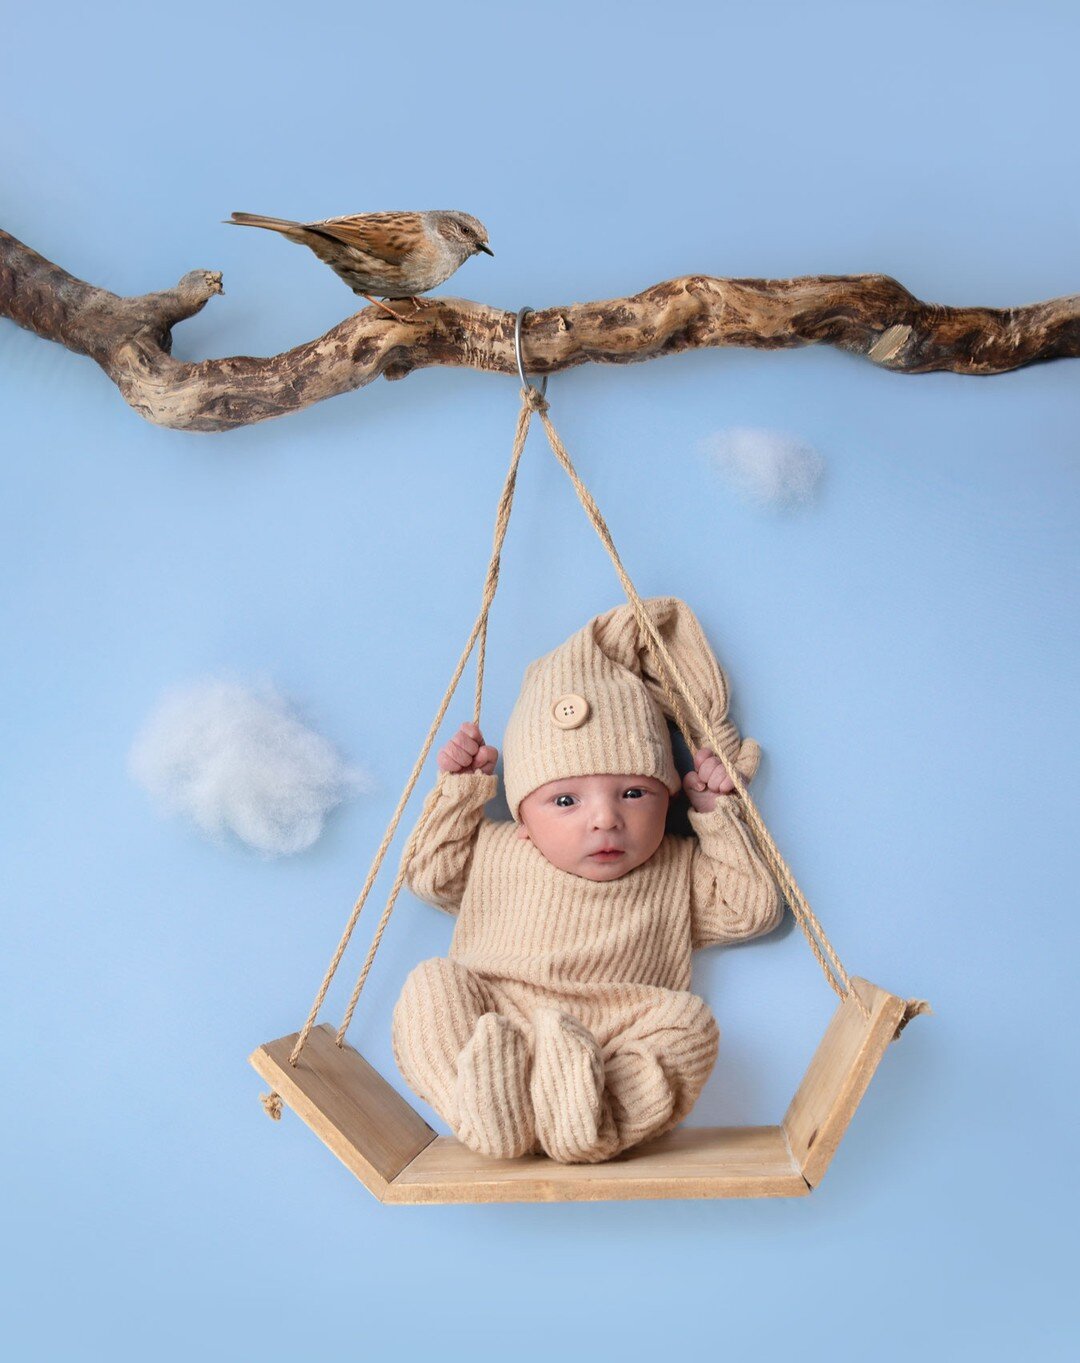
{"points": [[481, 659], [827, 959], [674, 703], [491, 582], [675, 688]]}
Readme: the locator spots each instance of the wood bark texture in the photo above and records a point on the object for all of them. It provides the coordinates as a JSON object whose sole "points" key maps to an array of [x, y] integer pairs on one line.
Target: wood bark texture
{"points": [[870, 315]]}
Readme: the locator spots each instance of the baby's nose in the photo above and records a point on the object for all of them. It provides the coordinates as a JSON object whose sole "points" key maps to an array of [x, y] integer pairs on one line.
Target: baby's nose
{"points": [[605, 816]]}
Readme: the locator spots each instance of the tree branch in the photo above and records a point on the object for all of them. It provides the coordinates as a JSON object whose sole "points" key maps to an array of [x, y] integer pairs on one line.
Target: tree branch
{"points": [[870, 315]]}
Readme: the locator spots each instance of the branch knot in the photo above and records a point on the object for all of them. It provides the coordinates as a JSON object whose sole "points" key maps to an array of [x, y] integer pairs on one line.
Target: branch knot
{"points": [[869, 315]]}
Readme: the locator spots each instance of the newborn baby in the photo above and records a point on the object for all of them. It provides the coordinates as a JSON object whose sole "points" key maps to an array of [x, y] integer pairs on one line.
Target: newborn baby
{"points": [[562, 1019]]}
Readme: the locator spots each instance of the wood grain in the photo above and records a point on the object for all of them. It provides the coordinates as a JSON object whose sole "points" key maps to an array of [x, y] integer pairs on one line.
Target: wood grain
{"points": [[347, 1103], [689, 1162], [838, 1075], [400, 1159], [869, 315]]}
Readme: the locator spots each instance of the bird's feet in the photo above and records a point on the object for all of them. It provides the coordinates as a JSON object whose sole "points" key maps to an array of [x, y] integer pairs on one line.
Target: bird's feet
{"points": [[417, 304]]}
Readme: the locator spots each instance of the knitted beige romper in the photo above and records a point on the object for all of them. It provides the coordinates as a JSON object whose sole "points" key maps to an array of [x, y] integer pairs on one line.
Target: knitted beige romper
{"points": [[562, 1020]]}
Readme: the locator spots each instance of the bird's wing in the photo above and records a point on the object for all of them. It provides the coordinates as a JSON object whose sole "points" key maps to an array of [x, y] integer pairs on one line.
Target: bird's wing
{"points": [[389, 237]]}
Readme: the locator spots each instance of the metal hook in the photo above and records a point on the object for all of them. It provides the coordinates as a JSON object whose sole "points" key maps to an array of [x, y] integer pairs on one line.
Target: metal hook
{"points": [[517, 351]]}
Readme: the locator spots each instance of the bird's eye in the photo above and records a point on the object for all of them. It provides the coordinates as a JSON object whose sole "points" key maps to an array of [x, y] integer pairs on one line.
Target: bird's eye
{"points": [[564, 801]]}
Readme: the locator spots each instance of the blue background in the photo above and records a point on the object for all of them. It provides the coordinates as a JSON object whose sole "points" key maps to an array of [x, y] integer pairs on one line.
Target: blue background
{"points": [[905, 650]]}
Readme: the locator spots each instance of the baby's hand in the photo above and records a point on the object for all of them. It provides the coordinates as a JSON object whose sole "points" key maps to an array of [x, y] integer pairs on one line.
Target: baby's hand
{"points": [[467, 751], [706, 781]]}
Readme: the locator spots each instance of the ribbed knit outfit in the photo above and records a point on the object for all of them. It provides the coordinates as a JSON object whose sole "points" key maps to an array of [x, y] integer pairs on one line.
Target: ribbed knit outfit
{"points": [[562, 1019]]}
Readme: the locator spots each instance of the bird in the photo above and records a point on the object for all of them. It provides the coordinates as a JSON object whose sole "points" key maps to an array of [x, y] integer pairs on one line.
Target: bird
{"points": [[397, 255]]}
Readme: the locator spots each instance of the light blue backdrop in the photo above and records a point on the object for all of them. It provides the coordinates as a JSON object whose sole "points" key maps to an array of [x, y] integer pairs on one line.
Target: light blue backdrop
{"points": [[905, 650]]}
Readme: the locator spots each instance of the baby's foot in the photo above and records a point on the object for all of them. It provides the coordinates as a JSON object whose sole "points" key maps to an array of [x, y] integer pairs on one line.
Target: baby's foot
{"points": [[495, 1116], [573, 1120]]}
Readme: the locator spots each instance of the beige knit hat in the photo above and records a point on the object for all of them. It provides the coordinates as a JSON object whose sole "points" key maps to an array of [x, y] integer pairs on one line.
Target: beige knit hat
{"points": [[596, 704]]}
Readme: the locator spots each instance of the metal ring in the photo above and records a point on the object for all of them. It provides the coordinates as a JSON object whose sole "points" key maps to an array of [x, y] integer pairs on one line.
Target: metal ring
{"points": [[517, 351]]}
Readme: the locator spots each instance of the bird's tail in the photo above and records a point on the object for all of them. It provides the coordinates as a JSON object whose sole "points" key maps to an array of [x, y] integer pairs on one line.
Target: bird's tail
{"points": [[257, 220]]}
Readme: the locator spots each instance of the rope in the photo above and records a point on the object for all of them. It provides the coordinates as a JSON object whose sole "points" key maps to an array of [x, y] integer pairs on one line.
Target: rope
{"points": [[674, 704], [272, 1103], [479, 629], [672, 678], [675, 688], [913, 1008]]}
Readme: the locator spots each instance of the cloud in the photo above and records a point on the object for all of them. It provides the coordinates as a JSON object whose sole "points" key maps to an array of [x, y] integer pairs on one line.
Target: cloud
{"points": [[236, 759], [766, 467]]}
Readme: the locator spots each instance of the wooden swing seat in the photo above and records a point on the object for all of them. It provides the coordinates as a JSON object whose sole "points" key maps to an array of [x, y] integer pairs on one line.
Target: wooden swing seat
{"points": [[397, 1155], [399, 1158]]}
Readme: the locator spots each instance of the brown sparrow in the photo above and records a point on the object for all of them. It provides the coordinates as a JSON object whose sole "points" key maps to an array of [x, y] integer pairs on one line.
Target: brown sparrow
{"points": [[397, 255]]}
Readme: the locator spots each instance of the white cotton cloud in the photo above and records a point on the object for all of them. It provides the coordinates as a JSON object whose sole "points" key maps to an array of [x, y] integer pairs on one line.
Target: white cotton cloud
{"points": [[236, 759], [766, 467]]}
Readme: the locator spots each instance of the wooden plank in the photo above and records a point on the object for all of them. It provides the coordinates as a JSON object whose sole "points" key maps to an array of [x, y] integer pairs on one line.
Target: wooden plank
{"points": [[838, 1075], [378, 1135], [348, 1104], [689, 1162]]}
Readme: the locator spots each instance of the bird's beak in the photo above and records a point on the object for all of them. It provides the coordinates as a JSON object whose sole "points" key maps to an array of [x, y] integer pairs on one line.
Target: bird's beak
{"points": [[486, 249]]}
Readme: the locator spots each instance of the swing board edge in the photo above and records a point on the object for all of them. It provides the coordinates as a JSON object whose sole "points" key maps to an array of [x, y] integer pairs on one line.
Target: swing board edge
{"points": [[361, 1118], [839, 1073], [400, 1159], [382, 1140], [686, 1163]]}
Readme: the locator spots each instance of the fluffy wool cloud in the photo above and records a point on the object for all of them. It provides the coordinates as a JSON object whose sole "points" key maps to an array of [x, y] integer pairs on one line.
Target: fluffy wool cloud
{"points": [[237, 760], [766, 467]]}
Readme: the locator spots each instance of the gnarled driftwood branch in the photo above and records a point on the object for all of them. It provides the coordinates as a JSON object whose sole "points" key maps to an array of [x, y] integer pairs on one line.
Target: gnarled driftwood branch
{"points": [[869, 315]]}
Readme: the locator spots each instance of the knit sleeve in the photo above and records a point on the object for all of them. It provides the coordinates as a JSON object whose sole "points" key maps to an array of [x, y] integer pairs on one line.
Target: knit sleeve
{"points": [[439, 853], [732, 894]]}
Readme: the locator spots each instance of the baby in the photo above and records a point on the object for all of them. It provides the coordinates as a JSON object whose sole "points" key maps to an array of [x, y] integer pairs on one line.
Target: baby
{"points": [[562, 1019]]}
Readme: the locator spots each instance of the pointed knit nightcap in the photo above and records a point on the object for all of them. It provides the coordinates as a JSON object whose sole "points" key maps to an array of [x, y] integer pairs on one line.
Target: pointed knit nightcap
{"points": [[596, 705]]}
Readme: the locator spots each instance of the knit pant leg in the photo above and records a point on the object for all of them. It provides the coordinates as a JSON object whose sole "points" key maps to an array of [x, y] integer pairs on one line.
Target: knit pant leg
{"points": [[435, 1015], [573, 1117], [656, 1067], [462, 1058], [494, 1106]]}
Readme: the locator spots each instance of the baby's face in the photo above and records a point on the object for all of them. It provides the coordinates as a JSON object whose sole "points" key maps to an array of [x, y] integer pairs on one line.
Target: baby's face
{"points": [[598, 827]]}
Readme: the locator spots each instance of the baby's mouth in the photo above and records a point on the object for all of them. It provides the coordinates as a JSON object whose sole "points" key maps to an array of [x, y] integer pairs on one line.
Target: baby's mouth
{"points": [[607, 853]]}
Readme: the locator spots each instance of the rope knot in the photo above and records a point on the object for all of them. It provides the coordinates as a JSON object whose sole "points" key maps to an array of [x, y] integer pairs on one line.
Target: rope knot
{"points": [[272, 1103], [913, 1008], [534, 399]]}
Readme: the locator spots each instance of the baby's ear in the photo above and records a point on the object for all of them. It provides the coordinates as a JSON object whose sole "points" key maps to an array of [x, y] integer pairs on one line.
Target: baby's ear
{"points": [[523, 832]]}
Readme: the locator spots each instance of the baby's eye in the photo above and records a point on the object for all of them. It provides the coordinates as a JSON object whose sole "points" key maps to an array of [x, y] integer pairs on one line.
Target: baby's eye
{"points": [[564, 801], [634, 793]]}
